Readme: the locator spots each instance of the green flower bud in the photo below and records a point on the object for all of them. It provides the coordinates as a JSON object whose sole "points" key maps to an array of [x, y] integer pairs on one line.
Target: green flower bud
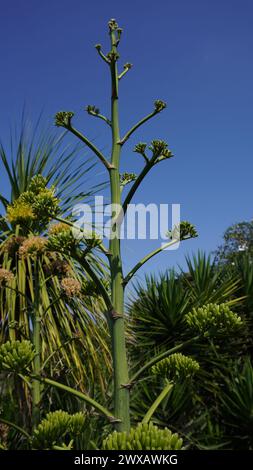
{"points": [[140, 148], [16, 355], [214, 320], [113, 56], [61, 239], [158, 147], [113, 25], [159, 105], [176, 367], [55, 427], [92, 109], [127, 178], [143, 437], [182, 231], [91, 239], [63, 118]]}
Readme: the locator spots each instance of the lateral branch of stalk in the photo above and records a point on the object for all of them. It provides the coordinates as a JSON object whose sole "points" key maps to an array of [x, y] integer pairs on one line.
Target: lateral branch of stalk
{"points": [[137, 125], [146, 258], [89, 144], [78, 394]]}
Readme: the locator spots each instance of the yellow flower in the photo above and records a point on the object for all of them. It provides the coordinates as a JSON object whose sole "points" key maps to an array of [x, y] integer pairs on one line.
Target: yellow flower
{"points": [[59, 228], [33, 246], [19, 212], [5, 276], [70, 286]]}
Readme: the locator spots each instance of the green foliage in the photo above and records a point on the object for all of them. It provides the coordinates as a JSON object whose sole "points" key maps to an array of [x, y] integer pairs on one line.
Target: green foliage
{"points": [[237, 405], [176, 367], [143, 437], [16, 356], [159, 311], [57, 428], [214, 320], [73, 333]]}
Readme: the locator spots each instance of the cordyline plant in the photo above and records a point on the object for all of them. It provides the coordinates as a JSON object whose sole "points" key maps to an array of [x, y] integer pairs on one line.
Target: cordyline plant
{"points": [[159, 152]]}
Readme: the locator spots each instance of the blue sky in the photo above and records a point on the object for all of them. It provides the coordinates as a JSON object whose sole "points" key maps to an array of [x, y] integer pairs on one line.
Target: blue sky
{"points": [[195, 55]]}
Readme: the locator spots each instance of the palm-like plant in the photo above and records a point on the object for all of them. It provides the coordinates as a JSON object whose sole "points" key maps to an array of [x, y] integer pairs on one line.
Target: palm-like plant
{"points": [[158, 307], [237, 405], [72, 328], [158, 312]]}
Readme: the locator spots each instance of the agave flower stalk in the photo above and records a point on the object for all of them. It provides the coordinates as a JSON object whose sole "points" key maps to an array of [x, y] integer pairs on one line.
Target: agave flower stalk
{"points": [[115, 300], [121, 379]]}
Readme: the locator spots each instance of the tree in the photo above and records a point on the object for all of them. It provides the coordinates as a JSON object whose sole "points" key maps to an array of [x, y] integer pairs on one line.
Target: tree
{"points": [[238, 239]]}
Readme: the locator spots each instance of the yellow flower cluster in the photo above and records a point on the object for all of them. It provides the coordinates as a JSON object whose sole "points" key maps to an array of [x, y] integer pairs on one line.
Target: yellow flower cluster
{"points": [[33, 246], [35, 207], [71, 286], [5, 276], [19, 213], [59, 228]]}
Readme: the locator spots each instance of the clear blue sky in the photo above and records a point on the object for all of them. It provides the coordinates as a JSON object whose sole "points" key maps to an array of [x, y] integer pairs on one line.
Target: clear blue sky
{"points": [[196, 55]]}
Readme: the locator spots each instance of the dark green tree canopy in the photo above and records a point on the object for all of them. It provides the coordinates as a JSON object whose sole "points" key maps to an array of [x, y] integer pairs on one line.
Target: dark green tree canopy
{"points": [[237, 240]]}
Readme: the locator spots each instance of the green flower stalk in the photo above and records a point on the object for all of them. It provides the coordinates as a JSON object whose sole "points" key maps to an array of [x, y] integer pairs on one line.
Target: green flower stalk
{"points": [[114, 297], [171, 369]]}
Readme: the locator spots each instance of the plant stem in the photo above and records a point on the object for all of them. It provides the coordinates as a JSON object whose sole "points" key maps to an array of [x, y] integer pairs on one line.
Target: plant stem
{"points": [[36, 386], [147, 258], [120, 366], [157, 402], [136, 184], [91, 146], [136, 126], [80, 395]]}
